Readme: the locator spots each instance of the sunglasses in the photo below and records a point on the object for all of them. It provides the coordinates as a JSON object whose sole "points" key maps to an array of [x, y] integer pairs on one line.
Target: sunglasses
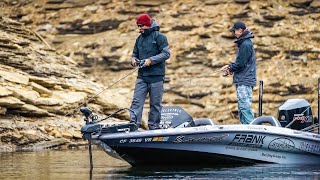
{"points": [[140, 25]]}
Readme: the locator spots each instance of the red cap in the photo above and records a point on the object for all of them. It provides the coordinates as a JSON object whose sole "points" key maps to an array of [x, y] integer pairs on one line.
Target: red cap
{"points": [[144, 19]]}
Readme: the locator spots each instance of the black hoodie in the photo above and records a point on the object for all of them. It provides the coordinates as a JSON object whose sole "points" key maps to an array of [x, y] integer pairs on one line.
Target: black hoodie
{"points": [[152, 45]]}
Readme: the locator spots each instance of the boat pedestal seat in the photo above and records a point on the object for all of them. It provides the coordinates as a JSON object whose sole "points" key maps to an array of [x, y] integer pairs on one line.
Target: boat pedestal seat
{"points": [[266, 119], [203, 122]]}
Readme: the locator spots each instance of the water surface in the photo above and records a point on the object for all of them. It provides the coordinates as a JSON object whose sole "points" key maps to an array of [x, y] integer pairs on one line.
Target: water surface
{"points": [[74, 164]]}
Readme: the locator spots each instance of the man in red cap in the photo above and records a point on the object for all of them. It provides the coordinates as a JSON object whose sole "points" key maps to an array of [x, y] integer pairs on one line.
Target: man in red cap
{"points": [[150, 52]]}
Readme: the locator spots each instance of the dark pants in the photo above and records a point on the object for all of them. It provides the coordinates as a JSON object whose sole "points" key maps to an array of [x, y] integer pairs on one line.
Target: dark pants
{"points": [[141, 90]]}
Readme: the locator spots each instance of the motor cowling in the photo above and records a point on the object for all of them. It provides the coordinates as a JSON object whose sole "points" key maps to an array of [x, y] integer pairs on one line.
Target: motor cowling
{"points": [[295, 114], [175, 116]]}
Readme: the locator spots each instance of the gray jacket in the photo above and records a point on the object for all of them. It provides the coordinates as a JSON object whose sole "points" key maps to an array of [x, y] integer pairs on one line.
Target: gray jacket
{"points": [[152, 45], [244, 68]]}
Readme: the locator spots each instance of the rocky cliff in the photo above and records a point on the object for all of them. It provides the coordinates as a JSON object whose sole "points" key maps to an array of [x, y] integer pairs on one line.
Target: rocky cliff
{"points": [[40, 91], [97, 37]]}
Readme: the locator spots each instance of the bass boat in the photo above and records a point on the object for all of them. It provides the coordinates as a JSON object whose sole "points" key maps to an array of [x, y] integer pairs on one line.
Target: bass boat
{"points": [[183, 140]]}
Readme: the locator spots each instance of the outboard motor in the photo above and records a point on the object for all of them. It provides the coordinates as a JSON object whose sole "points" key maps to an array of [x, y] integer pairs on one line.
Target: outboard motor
{"points": [[295, 114], [175, 116]]}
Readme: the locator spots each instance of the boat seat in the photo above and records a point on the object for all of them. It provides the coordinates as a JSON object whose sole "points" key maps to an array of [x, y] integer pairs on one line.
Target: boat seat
{"points": [[203, 122], [266, 119]]}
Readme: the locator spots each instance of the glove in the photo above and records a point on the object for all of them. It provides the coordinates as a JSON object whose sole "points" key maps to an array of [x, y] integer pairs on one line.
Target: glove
{"points": [[145, 63], [134, 62]]}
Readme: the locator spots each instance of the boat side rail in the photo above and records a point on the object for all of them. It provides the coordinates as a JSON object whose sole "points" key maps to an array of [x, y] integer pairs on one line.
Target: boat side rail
{"points": [[313, 128]]}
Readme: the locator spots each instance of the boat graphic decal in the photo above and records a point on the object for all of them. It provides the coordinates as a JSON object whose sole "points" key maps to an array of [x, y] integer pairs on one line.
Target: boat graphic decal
{"points": [[180, 139], [281, 144], [309, 147]]}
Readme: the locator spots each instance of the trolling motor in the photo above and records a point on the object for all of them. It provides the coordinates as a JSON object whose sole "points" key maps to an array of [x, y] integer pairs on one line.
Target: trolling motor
{"points": [[92, 127], [92, 123], [87, 133], [86, 112]]}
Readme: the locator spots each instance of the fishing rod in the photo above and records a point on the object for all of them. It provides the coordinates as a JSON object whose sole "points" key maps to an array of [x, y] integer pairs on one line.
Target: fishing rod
{"points": [[97, 94]]}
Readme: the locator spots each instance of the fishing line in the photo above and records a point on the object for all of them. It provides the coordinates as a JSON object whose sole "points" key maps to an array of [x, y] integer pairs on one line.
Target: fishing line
{"points": [[196, 77]]}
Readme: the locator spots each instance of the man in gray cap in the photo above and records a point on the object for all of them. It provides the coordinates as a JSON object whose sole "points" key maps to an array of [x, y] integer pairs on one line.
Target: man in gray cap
{"points": [[243, 71]]}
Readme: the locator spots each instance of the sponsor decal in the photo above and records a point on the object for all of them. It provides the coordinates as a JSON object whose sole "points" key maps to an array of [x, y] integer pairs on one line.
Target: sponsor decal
{"points": [[165, 123], [171, 110], [167, 115], [302, 118], [160, 139], [308, 147], [239, 148], [281, 144], [180, 139], [274, 156], [248, 140]]}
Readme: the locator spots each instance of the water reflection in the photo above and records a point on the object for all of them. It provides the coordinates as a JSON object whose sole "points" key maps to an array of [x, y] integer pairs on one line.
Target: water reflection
{"points": [[56, 165], [74, 164]]}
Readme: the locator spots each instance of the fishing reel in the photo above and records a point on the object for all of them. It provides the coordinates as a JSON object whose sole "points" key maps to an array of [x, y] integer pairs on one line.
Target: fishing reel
{"points": [[140, 63], [87, 113]]}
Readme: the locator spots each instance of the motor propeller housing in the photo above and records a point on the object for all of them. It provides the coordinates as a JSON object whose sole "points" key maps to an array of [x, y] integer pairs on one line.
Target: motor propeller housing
{"points": [[85, 111]]}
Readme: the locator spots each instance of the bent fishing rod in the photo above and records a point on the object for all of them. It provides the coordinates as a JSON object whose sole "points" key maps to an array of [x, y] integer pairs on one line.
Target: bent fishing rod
{"points": [[131, 72]]}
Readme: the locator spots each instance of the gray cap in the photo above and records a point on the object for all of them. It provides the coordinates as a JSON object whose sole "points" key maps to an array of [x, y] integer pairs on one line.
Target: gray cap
{"points": [[237, 25]]}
